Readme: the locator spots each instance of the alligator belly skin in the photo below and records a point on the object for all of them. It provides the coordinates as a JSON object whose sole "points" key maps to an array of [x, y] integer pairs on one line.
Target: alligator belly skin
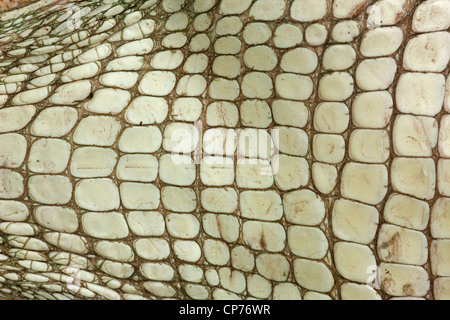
{"points": [[225, 149]]}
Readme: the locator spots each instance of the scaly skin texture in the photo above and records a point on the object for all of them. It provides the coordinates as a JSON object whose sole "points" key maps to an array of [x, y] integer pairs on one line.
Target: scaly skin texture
{"points": [[97, 98], [6, 5]]}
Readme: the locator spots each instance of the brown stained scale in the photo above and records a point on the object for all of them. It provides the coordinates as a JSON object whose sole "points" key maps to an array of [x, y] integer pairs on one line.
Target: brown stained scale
{"points": [[6, 5], [208, 149]]}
